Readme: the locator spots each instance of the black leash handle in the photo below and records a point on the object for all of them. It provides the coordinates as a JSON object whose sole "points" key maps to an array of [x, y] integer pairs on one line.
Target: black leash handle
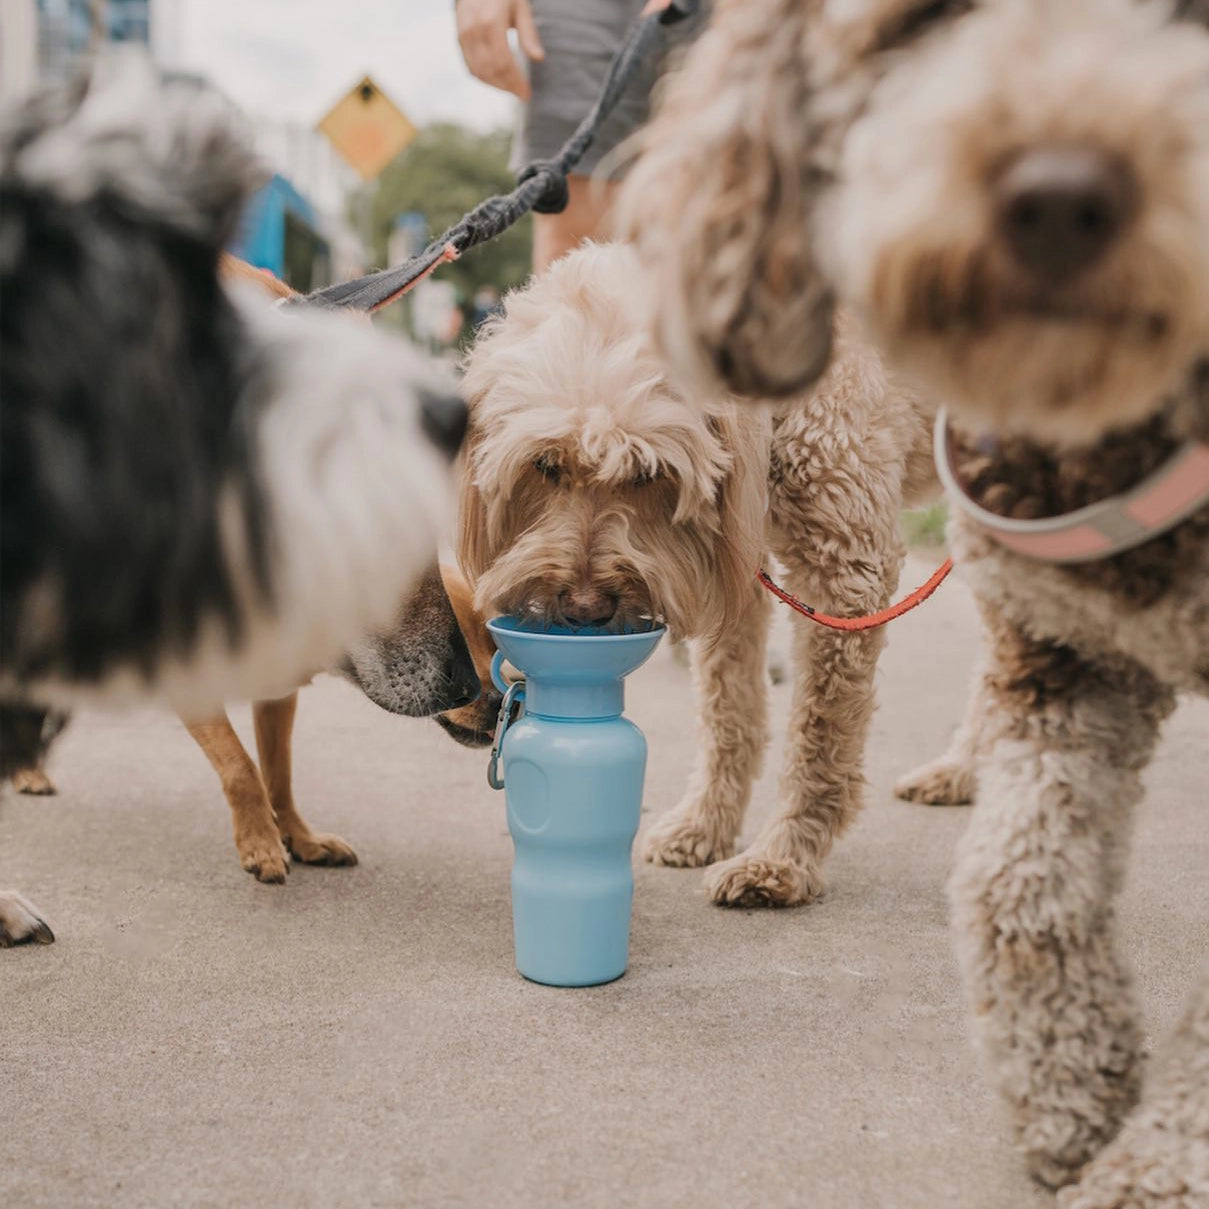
{"points": [[542, 185]]}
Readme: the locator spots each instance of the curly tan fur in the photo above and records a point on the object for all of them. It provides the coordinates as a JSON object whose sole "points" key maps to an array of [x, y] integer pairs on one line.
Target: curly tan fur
{"points": [[906, 116], [589, 477]]}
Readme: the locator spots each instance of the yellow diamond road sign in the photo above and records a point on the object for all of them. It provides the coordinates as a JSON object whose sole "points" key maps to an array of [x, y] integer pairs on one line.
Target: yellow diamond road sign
{"points": [[367, 128]]}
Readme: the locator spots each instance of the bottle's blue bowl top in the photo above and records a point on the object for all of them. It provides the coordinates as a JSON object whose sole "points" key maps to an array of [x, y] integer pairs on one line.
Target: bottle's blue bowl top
{"points": [[557, 654]]}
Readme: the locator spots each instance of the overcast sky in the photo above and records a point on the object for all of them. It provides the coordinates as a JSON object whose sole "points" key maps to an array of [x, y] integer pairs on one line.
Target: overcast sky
{"points": [[292, 59]]}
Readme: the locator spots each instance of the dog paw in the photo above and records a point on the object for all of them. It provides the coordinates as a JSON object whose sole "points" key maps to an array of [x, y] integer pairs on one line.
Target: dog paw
{"points": [[683, 843], [755, 881], [33, 781], [1058, 1143], [266, 859], [1160, 1169], [1123, 1189], [21, 922], [321, 849], [941, 783]]}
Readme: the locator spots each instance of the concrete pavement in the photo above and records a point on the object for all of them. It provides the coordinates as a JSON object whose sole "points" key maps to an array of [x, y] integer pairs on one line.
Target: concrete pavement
{"points": [[359, 1037]]}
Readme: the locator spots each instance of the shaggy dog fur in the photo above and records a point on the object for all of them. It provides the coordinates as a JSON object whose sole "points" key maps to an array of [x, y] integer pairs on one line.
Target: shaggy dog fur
{"points": [[1014, 195], [596, 493]]}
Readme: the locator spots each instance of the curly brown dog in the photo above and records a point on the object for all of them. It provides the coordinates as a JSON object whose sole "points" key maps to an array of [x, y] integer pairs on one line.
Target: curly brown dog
{"points": [[598, 493], [1014, 195]]}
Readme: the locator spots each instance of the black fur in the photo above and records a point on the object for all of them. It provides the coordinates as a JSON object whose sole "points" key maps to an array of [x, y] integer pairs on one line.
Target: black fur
{"points": [[126, 410]]}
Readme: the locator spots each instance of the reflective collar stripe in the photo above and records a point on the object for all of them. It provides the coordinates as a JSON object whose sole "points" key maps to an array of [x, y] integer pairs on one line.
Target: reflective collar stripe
{"points": [[1160, 501]]}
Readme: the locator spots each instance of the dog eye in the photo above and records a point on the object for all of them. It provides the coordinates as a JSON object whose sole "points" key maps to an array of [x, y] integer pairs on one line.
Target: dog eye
{"points": [[547, 466], [644, 478], [918, 20]]}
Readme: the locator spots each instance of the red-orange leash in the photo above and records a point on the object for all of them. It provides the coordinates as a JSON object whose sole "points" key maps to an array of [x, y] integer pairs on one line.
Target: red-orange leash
{"points": [[860, 623]]}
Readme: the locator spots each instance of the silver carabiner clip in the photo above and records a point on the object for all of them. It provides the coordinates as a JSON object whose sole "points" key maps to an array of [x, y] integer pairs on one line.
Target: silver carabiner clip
{"points": [[515, 693]]}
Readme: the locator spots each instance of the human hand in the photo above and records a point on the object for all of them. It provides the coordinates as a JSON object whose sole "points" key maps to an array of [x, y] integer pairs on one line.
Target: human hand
{"points": [[483, 27]]}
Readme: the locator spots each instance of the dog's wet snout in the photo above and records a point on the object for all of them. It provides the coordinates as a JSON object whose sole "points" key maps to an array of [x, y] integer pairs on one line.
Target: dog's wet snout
{"points": [[1059, 209], [587, 606], [443, 418]]}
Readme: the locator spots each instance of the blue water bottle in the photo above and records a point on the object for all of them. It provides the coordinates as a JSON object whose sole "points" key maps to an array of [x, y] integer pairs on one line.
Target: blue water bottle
{"points": [[573, 769]]}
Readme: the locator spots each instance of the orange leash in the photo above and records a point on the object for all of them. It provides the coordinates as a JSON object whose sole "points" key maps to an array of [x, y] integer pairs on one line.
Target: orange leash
{"points": [[852, 624]]}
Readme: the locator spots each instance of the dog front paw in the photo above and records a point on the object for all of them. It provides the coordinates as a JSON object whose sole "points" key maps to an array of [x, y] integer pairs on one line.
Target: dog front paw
{"points": [[33, 781], [320, 849], [1149, 1167], [1059, 1139], [265, 858], [21, 922], [683, 842], [943, 782], [757, 881]]}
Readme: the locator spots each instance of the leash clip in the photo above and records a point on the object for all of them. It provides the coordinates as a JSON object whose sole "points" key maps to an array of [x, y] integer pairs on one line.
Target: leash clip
{"points": [[514, 695]]}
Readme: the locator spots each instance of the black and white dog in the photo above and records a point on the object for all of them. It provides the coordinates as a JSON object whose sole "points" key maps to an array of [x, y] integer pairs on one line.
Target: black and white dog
{"points": [[201, 497]]}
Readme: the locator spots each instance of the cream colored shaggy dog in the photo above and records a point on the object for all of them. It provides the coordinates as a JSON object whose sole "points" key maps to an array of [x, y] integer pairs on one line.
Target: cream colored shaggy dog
{"points": [[1014, 195], [597, 493]]}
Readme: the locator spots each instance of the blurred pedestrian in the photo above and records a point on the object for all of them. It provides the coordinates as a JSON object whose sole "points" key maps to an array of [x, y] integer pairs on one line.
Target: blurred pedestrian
{"points": [[567, 46]]}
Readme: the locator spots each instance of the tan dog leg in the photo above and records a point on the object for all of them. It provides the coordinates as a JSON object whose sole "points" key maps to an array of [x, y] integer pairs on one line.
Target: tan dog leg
{"points": [[949, 779], [833, 701], [33, 781], [256, 837], [733, 691], [274, 729]]}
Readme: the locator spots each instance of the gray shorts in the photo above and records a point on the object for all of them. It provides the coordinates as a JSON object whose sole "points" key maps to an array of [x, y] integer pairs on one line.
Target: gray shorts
{"points": [[580, 38]]}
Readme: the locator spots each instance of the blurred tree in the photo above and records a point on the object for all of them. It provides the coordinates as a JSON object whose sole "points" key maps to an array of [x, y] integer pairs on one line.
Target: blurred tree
{"points": [[444, 173]]}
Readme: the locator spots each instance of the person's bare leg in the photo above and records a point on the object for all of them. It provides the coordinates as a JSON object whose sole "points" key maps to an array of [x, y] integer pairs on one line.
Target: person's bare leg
{"points": [[586, 217]]}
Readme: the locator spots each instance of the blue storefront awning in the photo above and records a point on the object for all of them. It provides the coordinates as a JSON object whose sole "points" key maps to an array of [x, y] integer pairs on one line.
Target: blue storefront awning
{"points": [[262, 236]]}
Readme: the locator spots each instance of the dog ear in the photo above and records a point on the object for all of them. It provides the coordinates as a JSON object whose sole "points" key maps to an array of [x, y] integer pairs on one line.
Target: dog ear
{"points": [[474, 549], [720, 202], [743, 510]]}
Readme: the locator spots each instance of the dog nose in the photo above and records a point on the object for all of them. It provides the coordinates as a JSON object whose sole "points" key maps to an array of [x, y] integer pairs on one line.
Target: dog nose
{"points": [[462, 684], [443, 418], [1059, 209], [587, 606]]}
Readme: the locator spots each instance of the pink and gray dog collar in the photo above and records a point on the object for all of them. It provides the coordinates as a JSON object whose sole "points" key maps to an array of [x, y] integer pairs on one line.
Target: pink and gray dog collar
{"points": [[1159, 502]]}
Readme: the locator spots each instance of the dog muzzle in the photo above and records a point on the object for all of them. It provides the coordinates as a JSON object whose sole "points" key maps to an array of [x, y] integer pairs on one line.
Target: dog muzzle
{"points": [[1158, 503]]}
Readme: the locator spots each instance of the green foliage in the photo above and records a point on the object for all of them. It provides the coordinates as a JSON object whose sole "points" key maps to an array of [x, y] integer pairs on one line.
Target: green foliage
{"points": [[926, 526], [445, 172]]}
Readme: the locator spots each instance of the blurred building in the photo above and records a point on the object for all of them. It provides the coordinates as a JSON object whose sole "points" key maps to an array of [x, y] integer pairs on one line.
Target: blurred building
{"points": [[296, 226], [306, 162], [44, 41], [69, 29], [18, 48], [281, 232]]}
